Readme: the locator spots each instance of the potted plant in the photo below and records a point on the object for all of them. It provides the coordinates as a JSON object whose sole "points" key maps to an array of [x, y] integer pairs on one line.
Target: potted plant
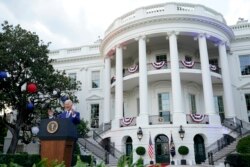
{"points": [[183, 150], [140, 151]]}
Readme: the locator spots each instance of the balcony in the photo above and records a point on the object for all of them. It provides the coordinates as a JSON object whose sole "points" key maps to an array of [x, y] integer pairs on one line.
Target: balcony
{"points": [[127, 122], [165, 9], [188, 71], [197, 119], [163, 118]]}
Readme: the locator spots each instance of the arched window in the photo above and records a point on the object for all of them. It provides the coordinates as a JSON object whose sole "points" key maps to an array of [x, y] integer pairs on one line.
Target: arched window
{"points": [[129, 146]]}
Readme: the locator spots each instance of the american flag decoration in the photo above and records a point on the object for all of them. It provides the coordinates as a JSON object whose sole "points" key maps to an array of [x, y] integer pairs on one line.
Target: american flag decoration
{"points": [[150, 148], [172, 146]]}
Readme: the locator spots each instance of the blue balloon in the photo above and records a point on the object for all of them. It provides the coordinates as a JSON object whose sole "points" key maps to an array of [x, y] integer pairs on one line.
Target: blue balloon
{"points": [[3, 74], [64, 98], [30, 106]]}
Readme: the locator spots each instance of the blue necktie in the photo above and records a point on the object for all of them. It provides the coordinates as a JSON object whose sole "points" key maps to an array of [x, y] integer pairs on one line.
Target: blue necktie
{"points": [[67, 114]]}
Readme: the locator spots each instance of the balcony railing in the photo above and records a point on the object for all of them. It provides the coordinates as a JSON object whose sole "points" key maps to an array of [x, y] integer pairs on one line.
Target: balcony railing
{"points": [[126, 122], [164, 118], [197, 119], [165, 65], [164, 9]]}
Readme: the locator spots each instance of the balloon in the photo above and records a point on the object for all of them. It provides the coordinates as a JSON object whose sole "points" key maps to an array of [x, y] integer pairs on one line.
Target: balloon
{"points": [[30, 106], [31, 88], [64, 98], [3, 74]]}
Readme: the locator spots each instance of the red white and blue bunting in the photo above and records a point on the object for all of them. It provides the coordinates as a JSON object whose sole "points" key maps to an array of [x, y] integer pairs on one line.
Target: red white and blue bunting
{"points": [[197, 117], [127, 121], [133, 68], [213, 67], [188, 64], [158, 65]]}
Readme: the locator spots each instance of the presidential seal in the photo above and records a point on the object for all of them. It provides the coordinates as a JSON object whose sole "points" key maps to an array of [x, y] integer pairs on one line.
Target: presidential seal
{"points": [[52, 126]]}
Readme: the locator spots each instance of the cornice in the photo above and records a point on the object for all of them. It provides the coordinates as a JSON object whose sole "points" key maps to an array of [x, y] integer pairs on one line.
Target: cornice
{"points": [[76, 58], [179, 18]]}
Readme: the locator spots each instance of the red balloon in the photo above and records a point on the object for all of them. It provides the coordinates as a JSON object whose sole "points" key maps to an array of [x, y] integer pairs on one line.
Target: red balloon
{"points": [[31, 88]]}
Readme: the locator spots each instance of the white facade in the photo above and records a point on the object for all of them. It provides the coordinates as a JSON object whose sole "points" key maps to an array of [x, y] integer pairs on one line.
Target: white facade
{"points": [[169, 61]]}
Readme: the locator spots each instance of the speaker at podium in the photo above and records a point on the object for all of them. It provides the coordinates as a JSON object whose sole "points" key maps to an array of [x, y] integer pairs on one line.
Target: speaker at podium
{"points": [[57, 138]]}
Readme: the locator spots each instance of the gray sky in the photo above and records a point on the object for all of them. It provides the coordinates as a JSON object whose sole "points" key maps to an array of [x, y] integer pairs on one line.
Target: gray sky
{"points": [[70, 23]]}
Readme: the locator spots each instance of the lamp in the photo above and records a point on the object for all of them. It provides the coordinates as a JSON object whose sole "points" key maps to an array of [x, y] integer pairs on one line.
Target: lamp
{"points": [[139, 133], [181, 132]]}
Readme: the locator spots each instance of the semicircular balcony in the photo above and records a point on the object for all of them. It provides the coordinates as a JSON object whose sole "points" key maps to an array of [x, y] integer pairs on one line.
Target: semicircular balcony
{"points": [[159, 61]]}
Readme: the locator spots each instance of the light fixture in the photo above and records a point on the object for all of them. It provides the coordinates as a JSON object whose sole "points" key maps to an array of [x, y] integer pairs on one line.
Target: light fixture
{"points": [[139, 133], [181, 132]]}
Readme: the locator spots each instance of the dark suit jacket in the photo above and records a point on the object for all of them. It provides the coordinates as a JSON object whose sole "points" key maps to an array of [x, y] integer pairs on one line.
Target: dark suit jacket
{"points": [[75, 120]]}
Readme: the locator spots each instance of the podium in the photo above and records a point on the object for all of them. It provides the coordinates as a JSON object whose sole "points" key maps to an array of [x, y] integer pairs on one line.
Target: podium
{"points": [[57, 138]]}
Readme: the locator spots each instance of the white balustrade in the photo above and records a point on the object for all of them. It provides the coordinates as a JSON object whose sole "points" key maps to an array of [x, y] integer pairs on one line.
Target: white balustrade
{"points": [[165, 9]]}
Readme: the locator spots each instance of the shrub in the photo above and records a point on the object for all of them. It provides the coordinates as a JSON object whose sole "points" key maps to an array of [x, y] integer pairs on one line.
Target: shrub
{"points": [[140, 150], [20, 159], [28, 160], [83, 158], [139, 162], [235, 160], [243, 145], [183, 150]]}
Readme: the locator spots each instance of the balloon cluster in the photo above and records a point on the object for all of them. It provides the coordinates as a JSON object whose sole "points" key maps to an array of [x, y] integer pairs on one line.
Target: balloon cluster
{"points": [[44, 99], [4, 74]]}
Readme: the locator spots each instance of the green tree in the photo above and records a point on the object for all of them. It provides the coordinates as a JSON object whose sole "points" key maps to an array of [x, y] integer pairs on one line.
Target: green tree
{"points": [[25, 57]]}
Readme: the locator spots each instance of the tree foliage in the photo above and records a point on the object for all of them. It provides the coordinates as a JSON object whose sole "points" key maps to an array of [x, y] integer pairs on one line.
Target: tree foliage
{"points": [[243, 145], [25, 57]]}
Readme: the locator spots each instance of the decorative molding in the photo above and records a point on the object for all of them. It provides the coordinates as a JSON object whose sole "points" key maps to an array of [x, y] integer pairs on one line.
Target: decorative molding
{"points": [[165, 19], [94, 97]]}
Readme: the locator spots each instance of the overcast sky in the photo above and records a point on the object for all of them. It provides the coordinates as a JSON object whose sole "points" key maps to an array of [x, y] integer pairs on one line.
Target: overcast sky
{"points": [[71, 23]]}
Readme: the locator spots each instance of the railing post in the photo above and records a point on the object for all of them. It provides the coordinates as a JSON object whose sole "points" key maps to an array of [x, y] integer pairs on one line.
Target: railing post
{"points": [[212, 159], [209, 159]]}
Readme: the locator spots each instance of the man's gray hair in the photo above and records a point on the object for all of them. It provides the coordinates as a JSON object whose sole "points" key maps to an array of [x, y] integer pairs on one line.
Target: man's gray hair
{"points": [[68, 102]]}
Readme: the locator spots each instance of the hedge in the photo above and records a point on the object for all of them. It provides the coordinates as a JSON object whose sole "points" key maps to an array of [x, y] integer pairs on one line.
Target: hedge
{"points": [[236, 160], [27, 160], [243, 145], [22, 159]]}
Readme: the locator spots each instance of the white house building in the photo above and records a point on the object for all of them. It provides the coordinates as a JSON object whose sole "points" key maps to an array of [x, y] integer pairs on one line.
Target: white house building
{"points": [[162, 68]]}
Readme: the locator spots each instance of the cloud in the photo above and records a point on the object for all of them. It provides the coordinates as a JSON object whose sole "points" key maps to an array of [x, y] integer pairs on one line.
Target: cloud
{"points": [[69, 23]]}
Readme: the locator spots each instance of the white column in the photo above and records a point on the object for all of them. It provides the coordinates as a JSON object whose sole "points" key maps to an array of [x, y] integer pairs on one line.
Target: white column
{"points": [[107, 95], [178, 112], [175, 74], [206, 76], [143, 82], [119, 84], [227, 86]]}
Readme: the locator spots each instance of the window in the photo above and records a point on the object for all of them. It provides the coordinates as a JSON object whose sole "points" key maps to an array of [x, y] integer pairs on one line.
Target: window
{"points": [[247, 97], [192, 103], [164, 106], [188, 58], [160, 58], [94, 115], [245, 64], [214, 62], [72, 77], [219, 107], [95, 79], [129, 146]]}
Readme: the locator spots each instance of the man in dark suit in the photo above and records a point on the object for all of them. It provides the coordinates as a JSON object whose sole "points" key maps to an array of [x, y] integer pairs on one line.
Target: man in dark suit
{"points": [[70, 113]]}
